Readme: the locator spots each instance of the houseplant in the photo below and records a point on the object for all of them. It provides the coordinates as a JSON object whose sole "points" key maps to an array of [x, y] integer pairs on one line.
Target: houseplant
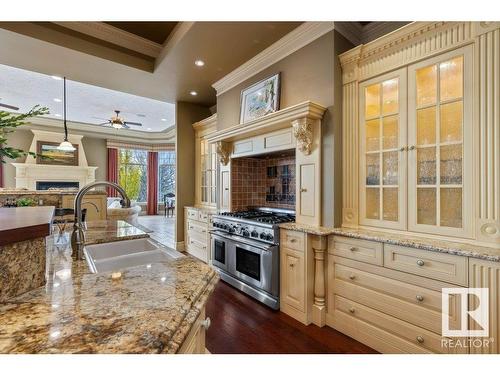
{"points": [[9, 122]]}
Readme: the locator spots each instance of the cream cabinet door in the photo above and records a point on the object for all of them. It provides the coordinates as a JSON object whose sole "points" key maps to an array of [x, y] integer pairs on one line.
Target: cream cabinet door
{"points": [[207, 164], [382, 151], [440, 131], [293, 278]]}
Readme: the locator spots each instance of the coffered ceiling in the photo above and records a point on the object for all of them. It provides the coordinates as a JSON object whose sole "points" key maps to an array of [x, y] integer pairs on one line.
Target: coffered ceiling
{"points": [[149, 59]]}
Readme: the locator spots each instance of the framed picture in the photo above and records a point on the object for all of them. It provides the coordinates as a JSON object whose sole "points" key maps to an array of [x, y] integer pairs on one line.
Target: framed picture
{"points": [[54, 156], [260, 99]]}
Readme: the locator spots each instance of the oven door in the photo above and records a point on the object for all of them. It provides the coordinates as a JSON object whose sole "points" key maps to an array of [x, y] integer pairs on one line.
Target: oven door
{"points": [[220, 246], [255, 264]]}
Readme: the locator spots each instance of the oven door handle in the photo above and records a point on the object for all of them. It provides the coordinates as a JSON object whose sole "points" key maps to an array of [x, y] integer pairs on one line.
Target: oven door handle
{"points": [[242, 240]]}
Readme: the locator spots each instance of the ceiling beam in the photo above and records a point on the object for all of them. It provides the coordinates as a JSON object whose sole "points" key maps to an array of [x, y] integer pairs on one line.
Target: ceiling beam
{"points": [[114, 35], [179, 31]]}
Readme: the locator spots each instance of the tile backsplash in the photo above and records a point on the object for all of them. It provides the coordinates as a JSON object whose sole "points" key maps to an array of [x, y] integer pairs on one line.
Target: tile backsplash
{"points": [[263, 182]]}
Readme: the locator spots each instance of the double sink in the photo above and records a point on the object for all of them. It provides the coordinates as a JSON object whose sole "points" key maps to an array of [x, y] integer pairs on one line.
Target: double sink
{"points": [[115, 256]]}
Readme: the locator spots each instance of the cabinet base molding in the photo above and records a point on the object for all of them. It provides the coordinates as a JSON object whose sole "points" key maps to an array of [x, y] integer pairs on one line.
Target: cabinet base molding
{"points": [[180, 246], [301, 316], [319, 315]]}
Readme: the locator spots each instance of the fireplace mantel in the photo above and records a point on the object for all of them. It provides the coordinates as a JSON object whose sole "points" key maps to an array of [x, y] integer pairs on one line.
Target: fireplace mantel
{"points": [[28, 174]]}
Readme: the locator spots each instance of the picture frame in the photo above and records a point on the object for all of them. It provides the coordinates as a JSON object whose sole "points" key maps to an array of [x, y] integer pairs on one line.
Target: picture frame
{"points": [[260, 99], [49, 154]]}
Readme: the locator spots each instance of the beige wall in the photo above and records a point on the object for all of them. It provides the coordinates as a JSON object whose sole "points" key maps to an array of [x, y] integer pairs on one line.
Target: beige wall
{"points": [[311, 73], [95, 150], [185, 115]]}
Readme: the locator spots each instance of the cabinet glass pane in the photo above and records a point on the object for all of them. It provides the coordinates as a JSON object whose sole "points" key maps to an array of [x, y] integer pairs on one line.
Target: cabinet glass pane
{"points": [[451, 122], [426, 206], [451, 164], [390, 132], [372, 101], [451, 79], [213, 199], [373, 169], [426, 126], [390, 168], [451, 207], [372, 203], [390, 204], [372, 135], [390, 96], [426, 85], [426, 166]]}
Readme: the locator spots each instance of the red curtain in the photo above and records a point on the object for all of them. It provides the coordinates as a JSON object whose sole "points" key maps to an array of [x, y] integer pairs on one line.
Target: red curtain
{"points": [[1, 173], [112, 173], [152, 208]]}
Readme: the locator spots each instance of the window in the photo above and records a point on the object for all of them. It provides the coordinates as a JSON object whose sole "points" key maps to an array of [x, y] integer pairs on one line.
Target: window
{"points": [[166, 173], [133, 173]]}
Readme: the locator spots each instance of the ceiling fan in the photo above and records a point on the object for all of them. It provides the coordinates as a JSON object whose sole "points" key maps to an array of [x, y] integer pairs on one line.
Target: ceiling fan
{"points": [[8, 106], [118, 122]]}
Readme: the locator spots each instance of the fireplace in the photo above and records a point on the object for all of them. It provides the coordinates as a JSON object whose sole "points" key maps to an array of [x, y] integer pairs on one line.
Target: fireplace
{"points": [[46, 185]]}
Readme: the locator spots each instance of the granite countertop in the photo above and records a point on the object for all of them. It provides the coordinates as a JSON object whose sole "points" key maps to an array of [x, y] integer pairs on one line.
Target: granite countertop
{"points": [[24, 223], [423, 243], [147, 310]]}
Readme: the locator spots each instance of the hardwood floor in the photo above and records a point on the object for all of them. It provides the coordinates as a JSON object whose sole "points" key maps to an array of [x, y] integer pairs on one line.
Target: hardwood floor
{"points": [[241, 325]]}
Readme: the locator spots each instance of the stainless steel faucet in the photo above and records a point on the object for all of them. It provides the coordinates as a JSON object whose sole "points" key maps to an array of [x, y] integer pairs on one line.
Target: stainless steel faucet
{"points": [[78, 236]]}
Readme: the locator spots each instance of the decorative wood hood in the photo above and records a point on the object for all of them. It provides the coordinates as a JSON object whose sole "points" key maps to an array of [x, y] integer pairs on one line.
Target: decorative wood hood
{"points": [[275, 121]]}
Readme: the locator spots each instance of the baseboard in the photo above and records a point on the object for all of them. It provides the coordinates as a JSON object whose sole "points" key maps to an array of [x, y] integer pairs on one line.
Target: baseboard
{"points": [[180, 246]]}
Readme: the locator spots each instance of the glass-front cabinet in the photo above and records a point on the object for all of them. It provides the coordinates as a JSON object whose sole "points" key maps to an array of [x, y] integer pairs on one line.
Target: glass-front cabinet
{"points": [[208, 173], [382, 164], [416, 147], [440, 141]]}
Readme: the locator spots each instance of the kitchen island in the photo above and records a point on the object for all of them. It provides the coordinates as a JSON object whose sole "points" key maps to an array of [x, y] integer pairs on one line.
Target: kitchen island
{"points": [[153, 308]]}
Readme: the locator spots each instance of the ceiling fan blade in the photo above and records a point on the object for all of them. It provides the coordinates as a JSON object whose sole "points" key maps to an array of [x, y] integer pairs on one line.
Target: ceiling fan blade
{"points": [[104, 123], [125, 126], [14, 108], [132, 123]]}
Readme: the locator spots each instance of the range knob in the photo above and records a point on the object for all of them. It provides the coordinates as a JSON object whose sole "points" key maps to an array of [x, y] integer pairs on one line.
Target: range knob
{"points": [[232, 229], [245, 233], [262, 236], [269, 237], [255, 233]]}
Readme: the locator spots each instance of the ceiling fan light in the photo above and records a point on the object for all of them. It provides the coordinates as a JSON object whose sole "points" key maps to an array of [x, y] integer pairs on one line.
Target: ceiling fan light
{"points": [[116, 125], [66, 146]]}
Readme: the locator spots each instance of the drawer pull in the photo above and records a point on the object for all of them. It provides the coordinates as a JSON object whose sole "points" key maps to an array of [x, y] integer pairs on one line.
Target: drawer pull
{"points": [[292, 265], [203, 231], [292, 240], [352, 248], [206, 323], [420, 262], [303, 190], [352, 277], [420, 339], [419, 298], [351, 310]]}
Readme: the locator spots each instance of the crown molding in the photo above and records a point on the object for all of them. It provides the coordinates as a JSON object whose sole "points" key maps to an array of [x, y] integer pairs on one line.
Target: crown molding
{"points": [[291, 42], [111, 34], [206, 123], [47, 124]]}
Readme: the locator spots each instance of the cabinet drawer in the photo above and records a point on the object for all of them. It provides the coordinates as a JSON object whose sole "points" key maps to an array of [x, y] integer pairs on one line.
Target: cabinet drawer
{"points": [[421, 316], [421, 338], [445, 267], [197, 228], [292, 240], [203, 217], [192, 214], [364, 251], [197, 248], [293, 281]]}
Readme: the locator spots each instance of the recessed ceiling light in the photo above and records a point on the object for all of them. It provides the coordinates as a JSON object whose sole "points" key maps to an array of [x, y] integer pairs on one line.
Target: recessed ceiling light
{"points": [[57, 100], [57, 78], [57, 115], [193, 93], [199, 63], [163, 119]]}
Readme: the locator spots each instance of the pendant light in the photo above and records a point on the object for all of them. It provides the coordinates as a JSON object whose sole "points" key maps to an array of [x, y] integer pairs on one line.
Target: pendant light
{"points": [[65, 145]]}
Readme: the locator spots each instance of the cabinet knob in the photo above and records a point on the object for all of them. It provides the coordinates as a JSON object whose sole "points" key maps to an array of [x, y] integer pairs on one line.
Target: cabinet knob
{"points": [[352, 248], [411, 148], [351, 310], [206, 323], [402, 148], [292, 265], [352, 277], [292, 240], [303, 190], [226, 189], [420, 262], [420, 339], [419, 298]]}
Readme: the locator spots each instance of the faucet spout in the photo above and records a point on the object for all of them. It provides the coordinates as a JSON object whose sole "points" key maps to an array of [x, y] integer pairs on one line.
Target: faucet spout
{"points": [[78, 237]]}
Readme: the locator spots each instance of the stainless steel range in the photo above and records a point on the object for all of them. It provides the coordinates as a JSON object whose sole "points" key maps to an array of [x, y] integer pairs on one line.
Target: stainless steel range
{"points": [[245, 251]]}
